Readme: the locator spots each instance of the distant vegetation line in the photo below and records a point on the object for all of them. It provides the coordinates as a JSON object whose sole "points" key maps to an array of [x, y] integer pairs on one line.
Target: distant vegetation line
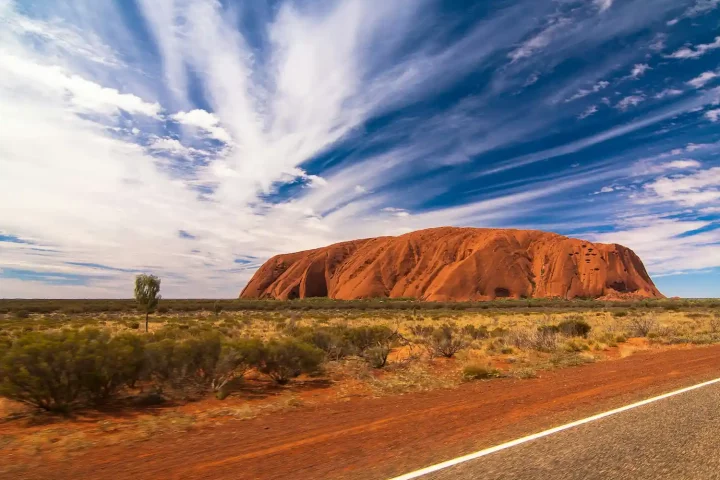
{"points": [[78, 306]]}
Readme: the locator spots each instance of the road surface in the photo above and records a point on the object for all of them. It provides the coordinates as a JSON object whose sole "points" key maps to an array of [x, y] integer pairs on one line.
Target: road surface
{"points": [[673, 438]]}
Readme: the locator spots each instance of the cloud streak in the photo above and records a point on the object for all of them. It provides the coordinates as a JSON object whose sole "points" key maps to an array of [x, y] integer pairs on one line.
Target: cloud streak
{"points": [[190, 134]]}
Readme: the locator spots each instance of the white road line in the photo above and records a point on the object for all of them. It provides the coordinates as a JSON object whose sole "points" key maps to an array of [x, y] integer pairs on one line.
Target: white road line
{"points": [[529, 438]]}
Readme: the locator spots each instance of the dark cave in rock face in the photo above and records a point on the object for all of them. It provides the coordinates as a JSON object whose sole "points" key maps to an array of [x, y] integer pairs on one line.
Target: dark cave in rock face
{"points": [[502, 292]]}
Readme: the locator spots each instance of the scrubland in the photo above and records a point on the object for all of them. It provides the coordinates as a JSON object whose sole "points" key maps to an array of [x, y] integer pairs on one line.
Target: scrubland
{"points": [[79, 373]]}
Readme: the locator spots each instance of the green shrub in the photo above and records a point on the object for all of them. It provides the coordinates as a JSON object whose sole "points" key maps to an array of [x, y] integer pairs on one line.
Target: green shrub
{"points": [[377, 356], [445, 342], [642, 326], [479, 372], [333, 341], [22, 314], [422, 331], [106, 364], [58, 370], [285, 359], [543, 339], [574, 328], [184, 364], [499, 332], [362, 338], [236, 358], [549, 329], [476, 333]]}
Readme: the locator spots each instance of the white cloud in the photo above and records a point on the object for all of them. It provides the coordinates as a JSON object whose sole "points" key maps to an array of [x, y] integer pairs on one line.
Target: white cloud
{"points": [[631, 100], [659, 43], [59, 38], [713, 115], [691, 190], [316, 181], [697, 52], [639, 70], [589, 111], [666, 245], [203, 120], [540, 40], [691, 147], [681, 164], [702, 79], [85, 95], [603, 4], [532, 79], [173, 146], [701, 7], [584, 92], [397, 212], [669, 92]]}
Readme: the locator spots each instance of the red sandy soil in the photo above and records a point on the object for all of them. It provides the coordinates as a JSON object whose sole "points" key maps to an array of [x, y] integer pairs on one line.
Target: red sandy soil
{"points": [[449, 264], [375, 438]]}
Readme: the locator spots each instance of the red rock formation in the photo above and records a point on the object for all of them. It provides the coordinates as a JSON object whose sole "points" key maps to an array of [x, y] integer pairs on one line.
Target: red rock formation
{"points": [[456, 264]]}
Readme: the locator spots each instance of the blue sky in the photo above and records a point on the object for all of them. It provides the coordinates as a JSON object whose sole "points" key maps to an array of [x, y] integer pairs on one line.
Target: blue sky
{"points": [[193, 139]]}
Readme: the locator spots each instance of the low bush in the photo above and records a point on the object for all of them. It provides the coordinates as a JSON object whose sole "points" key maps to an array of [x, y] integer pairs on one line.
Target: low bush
{"points": [[236, 358], [571, 359], [574, 328], [479, 372], [282, 360], [445, 342], [377, 356], [331, 340], [523, 373], [55, 371], [543, 339], [476, 333], [362, 338], [642, 326]]}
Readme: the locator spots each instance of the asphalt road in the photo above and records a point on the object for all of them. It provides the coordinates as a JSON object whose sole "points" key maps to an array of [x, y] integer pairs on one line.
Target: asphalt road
{"points": [[674, 438]]}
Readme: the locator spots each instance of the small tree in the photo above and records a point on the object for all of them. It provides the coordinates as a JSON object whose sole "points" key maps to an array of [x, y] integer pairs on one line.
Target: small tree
{"points": [[147, 294], [217, 309]]}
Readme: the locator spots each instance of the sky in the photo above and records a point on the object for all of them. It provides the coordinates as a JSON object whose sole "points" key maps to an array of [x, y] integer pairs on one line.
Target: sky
{"points": [[194, 139]]}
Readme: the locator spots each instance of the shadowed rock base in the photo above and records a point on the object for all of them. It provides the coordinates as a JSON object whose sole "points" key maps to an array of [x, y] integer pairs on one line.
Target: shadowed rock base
{"points": [[457, 264]]}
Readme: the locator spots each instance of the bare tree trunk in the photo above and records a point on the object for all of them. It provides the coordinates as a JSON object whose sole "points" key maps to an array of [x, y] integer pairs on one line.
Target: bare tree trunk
{"points": [[147, 314]]}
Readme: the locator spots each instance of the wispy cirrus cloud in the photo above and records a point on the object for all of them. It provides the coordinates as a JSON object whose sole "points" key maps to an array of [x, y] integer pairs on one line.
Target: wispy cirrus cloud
{"points": [[698, 8], [703, 79], [584, 92], [591, 110], [630, 101], [216, 131], [639, 70], [696, 51], [603, 4], [713, 115]]}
